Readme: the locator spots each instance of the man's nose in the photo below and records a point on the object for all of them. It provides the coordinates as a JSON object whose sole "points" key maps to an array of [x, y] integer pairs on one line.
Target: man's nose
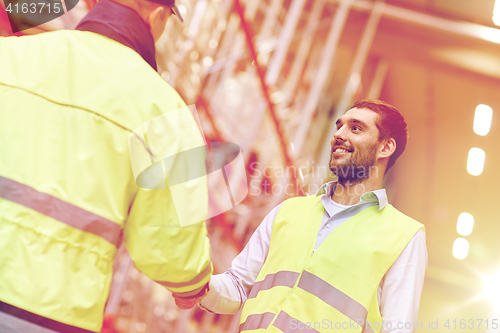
{"points": [[338, 136]]}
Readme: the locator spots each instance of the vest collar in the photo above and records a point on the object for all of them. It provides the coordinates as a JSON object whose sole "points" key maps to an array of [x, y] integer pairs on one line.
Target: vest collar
{"points": [[123, 25], [379, 196]]}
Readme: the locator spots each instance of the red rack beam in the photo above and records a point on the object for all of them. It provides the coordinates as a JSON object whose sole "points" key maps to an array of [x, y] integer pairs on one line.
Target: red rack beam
{"points": [[261, 73]]}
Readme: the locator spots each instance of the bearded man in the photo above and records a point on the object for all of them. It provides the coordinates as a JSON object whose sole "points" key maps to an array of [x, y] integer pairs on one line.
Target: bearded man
{"points": [[344, 260]]}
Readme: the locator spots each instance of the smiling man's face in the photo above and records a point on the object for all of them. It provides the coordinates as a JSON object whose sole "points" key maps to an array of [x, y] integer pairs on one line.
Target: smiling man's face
{"points": [[355, 145]]}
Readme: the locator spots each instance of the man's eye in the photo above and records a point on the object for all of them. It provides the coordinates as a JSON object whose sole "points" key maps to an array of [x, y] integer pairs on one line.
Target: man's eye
{"points": [[356, 128]]}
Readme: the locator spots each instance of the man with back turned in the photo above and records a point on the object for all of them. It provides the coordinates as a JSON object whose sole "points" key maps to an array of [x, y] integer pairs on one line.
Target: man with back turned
{"points": [[68, 199]]}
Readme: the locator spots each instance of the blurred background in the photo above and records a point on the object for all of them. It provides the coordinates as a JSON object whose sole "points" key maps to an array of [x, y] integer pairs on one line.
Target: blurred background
{"points": [[273, 75]]}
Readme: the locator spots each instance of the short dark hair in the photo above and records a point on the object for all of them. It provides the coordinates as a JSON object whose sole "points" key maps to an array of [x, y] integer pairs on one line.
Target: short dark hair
{"points": [[390, 124]]}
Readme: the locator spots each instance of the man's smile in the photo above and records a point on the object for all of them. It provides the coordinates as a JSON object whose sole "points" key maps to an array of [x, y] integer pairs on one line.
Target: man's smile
{"points": [[340, 150]]}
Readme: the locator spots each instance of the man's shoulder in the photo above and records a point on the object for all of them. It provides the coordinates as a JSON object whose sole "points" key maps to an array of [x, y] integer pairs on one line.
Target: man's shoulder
{"points": [[395, 214], [71, 57], [90, 72], [138, 93]]}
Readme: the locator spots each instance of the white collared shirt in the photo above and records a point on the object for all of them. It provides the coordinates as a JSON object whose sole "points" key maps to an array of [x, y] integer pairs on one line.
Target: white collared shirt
{"points": [[335, 214], [398, 293]]}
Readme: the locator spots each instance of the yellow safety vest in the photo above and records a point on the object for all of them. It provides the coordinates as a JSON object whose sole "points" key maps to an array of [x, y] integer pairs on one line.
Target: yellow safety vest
{"points": [[334, 288], [68, 102]]}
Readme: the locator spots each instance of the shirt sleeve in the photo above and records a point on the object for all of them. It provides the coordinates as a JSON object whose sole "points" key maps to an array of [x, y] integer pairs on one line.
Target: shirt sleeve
{"points": [[402, 288], [229, 290]]}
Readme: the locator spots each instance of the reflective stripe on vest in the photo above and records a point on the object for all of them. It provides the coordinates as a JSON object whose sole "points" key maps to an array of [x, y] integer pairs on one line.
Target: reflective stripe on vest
{"points": [[288, 324], [285, 323], [312, 284], [332, 296], [256, 321], [59, 210], [283, 278], [207, 270]]}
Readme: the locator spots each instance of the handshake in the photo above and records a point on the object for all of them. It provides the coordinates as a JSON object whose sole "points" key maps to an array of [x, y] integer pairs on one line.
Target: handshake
{"points": [[186, 303]]}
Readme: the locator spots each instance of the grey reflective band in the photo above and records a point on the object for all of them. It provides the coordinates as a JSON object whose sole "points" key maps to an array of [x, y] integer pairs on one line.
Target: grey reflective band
{"points": [[256, 321], [313, 285], [282, 278], [288, 324], [195, 280], [59, 210], [333, 297]]}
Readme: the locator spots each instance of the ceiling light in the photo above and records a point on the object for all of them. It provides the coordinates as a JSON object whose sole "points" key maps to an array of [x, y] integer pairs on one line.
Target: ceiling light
{"points": [[496, 13], [482, 119], [475, 161], [460, 248], [465, 224]]}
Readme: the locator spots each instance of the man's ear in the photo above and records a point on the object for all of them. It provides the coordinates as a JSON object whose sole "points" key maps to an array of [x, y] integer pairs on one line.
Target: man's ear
{"points": [[157, 20], [387, 148]]}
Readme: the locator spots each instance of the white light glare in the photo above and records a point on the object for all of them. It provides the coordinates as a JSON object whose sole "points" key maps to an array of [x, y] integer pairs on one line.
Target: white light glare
{"points": [[465, 224], [460, 248], [496, 13], [475, 161], [492, 287], [482, 119], [487, 33]]}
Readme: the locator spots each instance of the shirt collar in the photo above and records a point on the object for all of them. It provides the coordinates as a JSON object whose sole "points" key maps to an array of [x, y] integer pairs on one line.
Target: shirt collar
{"points": [[123, 25], [379, 196]]}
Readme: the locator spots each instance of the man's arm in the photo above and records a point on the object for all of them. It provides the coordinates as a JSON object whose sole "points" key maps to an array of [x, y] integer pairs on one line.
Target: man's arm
{"points": [[228, 291], [174, 256], [402, 287]]}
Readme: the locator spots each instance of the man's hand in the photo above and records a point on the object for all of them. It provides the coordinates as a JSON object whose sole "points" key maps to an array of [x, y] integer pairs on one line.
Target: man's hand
{"points": [[186, 303]]}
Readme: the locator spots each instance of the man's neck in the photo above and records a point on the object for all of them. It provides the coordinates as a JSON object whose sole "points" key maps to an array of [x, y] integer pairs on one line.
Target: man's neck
{"points": [[349, 193]]}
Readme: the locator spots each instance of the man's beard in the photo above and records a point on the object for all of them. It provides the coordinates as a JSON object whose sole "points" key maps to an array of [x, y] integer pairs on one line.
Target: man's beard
{"points": [[357, 168]]}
